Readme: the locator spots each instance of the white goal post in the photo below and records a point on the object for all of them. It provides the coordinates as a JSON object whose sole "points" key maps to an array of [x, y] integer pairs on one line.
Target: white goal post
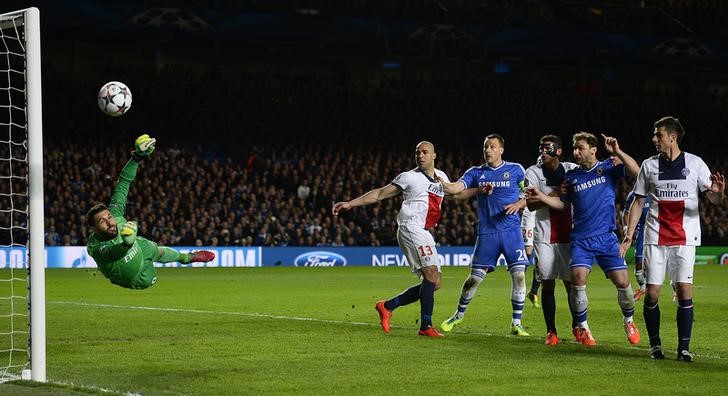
{"points": [[21, 196]]}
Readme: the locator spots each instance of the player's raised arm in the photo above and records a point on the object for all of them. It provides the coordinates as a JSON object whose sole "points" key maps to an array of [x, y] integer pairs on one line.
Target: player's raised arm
{"points": [[143, 148], [612, 146], [716, 190], [370, 197]]}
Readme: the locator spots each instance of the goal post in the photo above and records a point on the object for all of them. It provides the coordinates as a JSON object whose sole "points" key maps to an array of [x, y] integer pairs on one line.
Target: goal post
{"points": [[36, 251], [21, 196]]}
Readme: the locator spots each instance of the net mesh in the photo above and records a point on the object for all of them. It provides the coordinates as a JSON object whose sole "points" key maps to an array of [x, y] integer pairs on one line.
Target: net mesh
{"points": [[14, 320]]}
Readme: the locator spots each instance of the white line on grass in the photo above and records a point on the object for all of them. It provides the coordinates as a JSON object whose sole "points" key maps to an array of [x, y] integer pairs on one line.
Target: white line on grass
{"points": [[283, 317]]}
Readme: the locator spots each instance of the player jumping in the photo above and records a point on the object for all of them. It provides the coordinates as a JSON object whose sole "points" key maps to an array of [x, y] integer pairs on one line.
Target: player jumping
{"points": [[123, 257]]}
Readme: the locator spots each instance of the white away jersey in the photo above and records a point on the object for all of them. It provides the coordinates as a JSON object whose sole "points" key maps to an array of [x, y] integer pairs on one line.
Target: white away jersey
{"points": [[673, 188], [552, 226], [422, 198]]}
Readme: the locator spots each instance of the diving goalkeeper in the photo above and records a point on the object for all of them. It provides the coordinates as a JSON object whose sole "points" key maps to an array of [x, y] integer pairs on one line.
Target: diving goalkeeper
{"points": [[122, 256]]}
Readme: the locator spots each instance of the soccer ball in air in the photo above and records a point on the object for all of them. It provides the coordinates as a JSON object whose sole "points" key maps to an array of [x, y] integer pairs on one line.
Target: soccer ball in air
{"points": [[114, 98]]}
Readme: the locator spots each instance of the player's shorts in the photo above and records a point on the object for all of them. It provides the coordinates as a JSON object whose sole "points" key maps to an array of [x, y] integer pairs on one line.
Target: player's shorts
{"points": [[603, 248], [418, 246], [553, 260], [677, 261], [148, 274], [527, 234], [146, 278], [488, 247]]}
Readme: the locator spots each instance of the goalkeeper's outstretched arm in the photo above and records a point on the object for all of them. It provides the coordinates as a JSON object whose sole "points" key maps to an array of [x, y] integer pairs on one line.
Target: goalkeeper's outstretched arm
{"points": [[143, 148]]}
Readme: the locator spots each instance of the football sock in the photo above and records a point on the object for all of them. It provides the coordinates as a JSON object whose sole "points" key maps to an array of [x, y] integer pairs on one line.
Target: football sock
{"points": [[427, 302], [685, 315], [406, 297], [574, 322], [469, 288], [535, 282], [170, 256], [640, 276], [548, 303], [651, 314], [625, 298], [580, 302], [518, 295]]}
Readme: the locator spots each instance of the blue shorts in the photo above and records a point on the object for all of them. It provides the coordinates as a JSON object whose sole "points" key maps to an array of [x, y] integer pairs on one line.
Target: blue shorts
{"points": [[489, 247], [604, 249]]}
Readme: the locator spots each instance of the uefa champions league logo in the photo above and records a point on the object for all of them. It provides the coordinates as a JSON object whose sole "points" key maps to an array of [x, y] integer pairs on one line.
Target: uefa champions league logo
{"points": [[600, 171], [506, 175]]}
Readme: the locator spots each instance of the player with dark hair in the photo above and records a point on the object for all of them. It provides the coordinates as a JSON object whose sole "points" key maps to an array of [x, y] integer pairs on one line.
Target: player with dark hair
{"points": [[552, 230], [591, 193], [500, 200], [673, 181], [125, 258]]}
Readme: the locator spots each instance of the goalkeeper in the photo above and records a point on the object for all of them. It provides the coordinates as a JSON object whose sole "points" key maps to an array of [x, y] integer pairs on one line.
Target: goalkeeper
{"points": [[122, 256]]}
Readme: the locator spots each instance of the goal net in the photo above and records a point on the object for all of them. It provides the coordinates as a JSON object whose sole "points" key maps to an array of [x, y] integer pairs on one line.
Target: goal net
{"points": [[22, 260]]}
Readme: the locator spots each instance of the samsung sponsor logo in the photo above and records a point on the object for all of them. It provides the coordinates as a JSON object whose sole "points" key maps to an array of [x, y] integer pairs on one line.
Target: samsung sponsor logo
{"points": [[319, 259], [590, 183], [500, 183]]}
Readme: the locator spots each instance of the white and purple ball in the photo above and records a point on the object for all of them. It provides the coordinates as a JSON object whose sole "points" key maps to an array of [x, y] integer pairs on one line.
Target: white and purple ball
{"points": [[114, 98]]}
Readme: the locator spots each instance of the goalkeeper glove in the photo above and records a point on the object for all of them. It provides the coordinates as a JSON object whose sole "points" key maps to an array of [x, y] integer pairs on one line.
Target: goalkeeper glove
{"points": [[129, 232], [143, 146]]}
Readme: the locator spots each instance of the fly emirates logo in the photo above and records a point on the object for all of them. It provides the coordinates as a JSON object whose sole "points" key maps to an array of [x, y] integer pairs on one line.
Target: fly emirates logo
{"points": [[670, 190], [436, 189]]}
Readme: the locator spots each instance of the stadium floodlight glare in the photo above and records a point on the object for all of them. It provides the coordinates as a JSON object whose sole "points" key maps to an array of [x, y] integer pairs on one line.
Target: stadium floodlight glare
{"points": [[22, 282]]}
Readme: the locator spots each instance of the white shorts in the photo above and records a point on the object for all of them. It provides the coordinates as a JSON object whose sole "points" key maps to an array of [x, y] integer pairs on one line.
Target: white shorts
{"points": [[418, 246], [553, 260], [527, 236], [677, 261]]}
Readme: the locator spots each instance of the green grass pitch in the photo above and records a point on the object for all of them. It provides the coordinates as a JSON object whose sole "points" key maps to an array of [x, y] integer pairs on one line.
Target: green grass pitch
{"points": [[314, 331]]}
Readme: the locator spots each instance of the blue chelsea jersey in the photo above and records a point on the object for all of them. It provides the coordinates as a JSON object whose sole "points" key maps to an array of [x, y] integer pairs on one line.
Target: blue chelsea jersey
{"points": [[591, 193], [507, 182]]}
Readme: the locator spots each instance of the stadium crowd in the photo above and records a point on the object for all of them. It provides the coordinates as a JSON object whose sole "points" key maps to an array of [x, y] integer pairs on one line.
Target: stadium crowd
{"points": [[338, 138]]}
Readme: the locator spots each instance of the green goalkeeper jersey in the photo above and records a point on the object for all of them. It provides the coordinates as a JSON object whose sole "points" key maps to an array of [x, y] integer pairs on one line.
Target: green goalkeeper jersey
{"points": [[126, 266]]}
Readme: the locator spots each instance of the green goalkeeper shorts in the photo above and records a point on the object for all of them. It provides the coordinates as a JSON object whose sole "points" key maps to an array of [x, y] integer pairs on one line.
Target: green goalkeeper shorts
{"points": [[148, 275]]}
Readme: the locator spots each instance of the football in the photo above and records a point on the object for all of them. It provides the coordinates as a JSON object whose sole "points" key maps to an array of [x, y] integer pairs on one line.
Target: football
{"points": [[114, 98]]}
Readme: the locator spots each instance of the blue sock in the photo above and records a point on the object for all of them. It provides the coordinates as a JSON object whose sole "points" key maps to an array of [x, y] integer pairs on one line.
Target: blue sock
{"points": [[651, 314], [548, 303], [685, 316], [406, 297], [535, 283], [427, 303]]}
